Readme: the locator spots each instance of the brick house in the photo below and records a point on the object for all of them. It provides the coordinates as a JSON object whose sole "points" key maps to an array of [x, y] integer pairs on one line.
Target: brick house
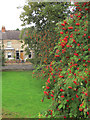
{"points": [[12, 45]]}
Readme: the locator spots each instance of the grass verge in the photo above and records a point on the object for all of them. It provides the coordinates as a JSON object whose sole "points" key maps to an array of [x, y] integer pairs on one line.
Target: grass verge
{"points": [[22, 94]]}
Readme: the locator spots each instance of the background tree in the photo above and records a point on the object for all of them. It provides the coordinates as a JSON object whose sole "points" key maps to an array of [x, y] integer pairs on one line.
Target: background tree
{"points": [[44, 14], [17, 29]]}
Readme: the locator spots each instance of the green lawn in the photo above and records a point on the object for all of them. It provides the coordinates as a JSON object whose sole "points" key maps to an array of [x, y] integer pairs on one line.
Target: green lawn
{"points": [[22, 94]]}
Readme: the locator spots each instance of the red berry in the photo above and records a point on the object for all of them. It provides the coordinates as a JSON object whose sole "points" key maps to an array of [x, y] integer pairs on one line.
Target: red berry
{"points": [[80, 109], [88, 113], [62, 96], [70, 27], [61, 32], [62, 24], [77, 23], [70, 87], [52, 95], [61, 90], [77, 96]]}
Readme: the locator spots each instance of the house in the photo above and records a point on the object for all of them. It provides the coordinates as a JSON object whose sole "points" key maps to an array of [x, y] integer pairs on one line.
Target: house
{"points": [[10, 42]]}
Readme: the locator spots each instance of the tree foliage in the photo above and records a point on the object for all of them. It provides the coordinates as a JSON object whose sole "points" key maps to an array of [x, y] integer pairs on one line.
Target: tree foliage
{"points": [[67, 75], [62, 61], [44, 14]]}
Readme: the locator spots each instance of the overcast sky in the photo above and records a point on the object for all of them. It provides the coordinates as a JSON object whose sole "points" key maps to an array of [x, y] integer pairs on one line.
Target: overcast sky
{"points": [[9, 14]]}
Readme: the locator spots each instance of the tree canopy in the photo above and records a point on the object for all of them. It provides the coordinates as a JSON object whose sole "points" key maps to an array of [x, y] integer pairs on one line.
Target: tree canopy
{"points": [[44, 14]]}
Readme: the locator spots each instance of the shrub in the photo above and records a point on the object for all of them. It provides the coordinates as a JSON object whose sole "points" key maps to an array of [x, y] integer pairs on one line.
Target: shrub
{"points": [[67, 74]]}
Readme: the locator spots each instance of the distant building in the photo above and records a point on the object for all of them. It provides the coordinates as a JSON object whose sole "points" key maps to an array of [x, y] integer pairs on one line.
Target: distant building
{"points": [[12, 45]]}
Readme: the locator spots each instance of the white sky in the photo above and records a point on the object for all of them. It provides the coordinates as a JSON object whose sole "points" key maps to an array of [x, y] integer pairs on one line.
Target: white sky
{"points": [[9, 14]]}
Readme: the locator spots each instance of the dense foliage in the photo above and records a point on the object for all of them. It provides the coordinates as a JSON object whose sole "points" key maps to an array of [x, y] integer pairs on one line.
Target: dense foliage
{"points": [[44, 15], [61, 60], [42, 43], [68, 74]]}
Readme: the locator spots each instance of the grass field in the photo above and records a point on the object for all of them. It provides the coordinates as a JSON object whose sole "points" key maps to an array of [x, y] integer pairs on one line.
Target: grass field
{"points": [[22, 94]]}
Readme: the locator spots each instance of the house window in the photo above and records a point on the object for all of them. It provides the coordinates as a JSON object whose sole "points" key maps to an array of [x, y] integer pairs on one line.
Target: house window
{"points": [[8, 44], [17, 55], [9, 55]]}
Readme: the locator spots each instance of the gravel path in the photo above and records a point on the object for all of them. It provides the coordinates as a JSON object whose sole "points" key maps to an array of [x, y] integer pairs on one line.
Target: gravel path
{"points": [[17, 67]]}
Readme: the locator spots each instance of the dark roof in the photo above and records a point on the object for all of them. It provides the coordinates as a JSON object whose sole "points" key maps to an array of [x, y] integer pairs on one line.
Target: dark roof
{"points": [[11, 35]]}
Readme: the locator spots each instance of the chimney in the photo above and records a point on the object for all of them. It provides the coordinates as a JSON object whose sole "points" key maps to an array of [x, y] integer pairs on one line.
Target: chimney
{"points": [[3, 28]]}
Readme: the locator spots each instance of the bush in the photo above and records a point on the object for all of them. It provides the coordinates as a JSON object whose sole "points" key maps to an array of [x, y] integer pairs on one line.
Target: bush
{"points": [[67, 74], [61, 59]]}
